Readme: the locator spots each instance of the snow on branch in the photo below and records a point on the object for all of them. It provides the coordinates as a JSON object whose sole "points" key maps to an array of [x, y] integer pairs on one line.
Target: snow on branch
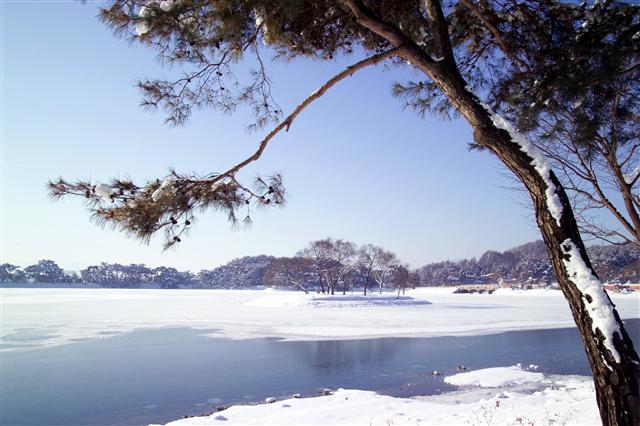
{"points": [[538, 161], [632, 177], [596, 301]]}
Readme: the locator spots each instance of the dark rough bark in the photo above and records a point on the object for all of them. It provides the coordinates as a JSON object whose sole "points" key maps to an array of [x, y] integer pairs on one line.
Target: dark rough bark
{"points": [[617, 384]]}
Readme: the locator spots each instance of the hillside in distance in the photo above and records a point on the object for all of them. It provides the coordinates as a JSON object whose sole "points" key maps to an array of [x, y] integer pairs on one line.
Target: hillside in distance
{"points": [[529, 263], [526, 264]]}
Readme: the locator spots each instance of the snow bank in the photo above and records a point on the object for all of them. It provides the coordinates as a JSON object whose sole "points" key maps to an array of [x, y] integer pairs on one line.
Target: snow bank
{"points": [[433, 290], [531, 293], [495, 377], [280, 300], [568, 400]]}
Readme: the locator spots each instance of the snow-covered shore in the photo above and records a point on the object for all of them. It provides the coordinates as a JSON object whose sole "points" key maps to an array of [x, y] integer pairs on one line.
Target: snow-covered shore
{"points": [[493, 396], [60, 316]]}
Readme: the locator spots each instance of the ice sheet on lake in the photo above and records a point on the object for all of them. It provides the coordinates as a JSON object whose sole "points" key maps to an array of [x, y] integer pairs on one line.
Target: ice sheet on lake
{"points": [[65, 315]]}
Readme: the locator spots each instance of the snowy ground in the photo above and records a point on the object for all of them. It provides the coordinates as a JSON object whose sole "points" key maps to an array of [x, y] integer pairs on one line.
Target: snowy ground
{"points": [[523, 398], [32, 318]]}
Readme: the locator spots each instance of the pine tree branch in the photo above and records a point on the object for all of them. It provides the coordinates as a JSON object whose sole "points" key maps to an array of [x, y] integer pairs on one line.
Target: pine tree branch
{"points": [[286, 123], [171, 205], [389, 32], [493, 30], [438, 24]]}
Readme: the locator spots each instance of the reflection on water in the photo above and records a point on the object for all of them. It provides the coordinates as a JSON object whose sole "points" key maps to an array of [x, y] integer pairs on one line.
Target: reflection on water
{"points": [[344, 354], [162, 374]]}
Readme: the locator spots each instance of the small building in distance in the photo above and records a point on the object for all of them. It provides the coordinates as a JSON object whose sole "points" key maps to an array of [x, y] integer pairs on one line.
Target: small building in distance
{"points": [[621, 288]]}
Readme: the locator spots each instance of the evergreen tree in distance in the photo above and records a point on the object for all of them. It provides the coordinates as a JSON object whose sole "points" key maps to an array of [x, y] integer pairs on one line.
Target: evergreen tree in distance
{"points": [[451, 45]]}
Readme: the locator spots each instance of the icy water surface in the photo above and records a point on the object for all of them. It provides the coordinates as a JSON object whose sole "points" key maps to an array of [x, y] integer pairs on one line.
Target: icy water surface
{"points": [[159, 375]]}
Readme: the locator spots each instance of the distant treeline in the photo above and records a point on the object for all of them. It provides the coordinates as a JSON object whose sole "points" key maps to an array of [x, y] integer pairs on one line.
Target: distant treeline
{"points": [[106, 274], [336, 265]]}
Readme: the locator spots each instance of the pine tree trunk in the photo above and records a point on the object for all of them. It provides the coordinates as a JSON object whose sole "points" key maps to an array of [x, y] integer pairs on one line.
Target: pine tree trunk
{"points": [[617, 382]]}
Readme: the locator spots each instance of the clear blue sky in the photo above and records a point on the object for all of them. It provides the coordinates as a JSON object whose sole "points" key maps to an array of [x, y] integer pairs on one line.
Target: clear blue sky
{"points": [[357, 166]]}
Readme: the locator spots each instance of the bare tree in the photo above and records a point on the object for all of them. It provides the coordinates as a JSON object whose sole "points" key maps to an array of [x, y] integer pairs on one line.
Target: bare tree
{"points": [[341, 258], [384, 264], [601, 174], [287, 271], [414, 278], [349, 278], [365, 262], [400, 278], [320, 253]]}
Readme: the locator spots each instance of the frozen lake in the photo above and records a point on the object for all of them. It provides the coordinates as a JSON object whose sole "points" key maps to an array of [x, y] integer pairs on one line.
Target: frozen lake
{"points": [[105, 356], [33, 318]]}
